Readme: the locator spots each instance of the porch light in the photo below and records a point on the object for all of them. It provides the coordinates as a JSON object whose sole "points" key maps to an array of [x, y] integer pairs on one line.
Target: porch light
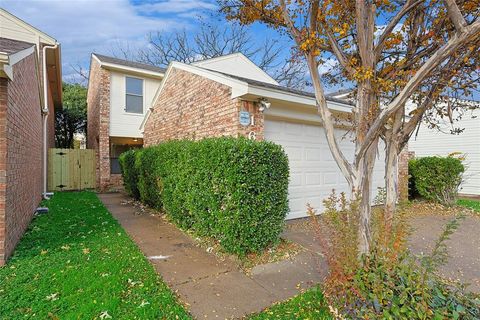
{"points": [[264, 104]]}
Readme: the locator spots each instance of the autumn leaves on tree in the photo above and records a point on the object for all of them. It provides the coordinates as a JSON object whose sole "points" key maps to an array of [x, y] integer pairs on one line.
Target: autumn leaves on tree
{"points": [[390, 52]]}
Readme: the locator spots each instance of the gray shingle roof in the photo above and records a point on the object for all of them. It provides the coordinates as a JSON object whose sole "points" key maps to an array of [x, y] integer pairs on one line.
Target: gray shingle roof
{"points": [[10, 46], [131, 64], [284, 89]]}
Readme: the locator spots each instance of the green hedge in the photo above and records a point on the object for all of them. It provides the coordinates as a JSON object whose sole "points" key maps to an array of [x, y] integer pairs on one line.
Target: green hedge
{"points": [[130, 175], [436, 178], [234, 190]]}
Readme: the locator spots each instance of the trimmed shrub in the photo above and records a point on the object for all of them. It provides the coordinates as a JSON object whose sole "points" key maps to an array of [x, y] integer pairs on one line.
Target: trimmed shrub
{"points": [[129, 174], [436, 178], [233, 190]]}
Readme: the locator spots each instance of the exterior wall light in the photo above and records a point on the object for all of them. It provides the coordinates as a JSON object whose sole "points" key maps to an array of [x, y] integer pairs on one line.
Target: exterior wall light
{"points": [[264, 104]]}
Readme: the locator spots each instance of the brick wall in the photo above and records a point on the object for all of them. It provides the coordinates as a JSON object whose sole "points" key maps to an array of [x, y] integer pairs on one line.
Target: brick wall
{"points": [[21, 163], [194, 107], [3, 163], [403, 159], [98, 122]]}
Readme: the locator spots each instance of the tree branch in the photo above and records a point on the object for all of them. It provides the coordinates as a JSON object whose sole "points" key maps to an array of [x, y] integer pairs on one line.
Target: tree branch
{"points": [[322, 107], [455, 15], [410, 4], [469, 32]]}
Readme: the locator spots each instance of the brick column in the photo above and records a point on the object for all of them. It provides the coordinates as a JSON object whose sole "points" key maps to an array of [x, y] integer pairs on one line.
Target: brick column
{"points": [[258, 120], [3, 164], [403, 159]]}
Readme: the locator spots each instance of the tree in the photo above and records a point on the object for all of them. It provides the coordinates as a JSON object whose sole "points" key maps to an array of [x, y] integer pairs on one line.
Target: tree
{"points": [[392, 51], [73, 116], [211, 41]]}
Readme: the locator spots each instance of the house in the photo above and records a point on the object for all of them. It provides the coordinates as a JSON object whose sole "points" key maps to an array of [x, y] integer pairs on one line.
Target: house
{"points": [[434, 142], [214, 97], [119, 95], [225, 96], [30, 91]]}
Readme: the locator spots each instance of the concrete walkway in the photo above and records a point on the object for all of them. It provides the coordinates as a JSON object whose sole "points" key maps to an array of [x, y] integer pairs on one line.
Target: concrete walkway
{"points": [[212, 289]]}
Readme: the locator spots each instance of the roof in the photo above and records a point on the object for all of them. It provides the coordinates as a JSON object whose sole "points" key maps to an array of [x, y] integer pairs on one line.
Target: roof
{"points": [[10, 46], [339, 92], [284, 89], [131, 64], [28, 31], [236, 64], [257, 83]]}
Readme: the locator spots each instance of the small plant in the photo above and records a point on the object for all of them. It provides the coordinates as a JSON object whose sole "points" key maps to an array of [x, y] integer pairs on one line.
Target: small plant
{"points": [[389, 282], [437, 178]]}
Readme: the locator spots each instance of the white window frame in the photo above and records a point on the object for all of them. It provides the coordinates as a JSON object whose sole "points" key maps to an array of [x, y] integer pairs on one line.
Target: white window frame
{"points": [[136, 95]]}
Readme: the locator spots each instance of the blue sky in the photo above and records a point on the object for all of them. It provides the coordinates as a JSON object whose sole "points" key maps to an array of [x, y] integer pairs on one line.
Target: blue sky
{"points": [[85, 26]]}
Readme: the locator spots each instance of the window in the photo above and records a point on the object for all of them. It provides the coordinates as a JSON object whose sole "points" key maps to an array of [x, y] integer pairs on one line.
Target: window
{"points": [[134, 95], [116, 149]]}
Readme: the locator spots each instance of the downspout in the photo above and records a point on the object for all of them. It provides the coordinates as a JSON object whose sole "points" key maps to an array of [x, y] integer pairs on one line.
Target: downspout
{"points": [[45, 112]]}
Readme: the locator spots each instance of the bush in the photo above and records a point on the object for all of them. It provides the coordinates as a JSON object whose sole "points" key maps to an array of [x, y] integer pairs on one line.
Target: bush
{"points": [[129, 174], [233, 190], [436, 178]]}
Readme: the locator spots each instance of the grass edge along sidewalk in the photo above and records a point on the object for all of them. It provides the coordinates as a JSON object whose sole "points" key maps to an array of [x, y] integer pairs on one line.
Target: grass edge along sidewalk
{"points": [[78, 262]]}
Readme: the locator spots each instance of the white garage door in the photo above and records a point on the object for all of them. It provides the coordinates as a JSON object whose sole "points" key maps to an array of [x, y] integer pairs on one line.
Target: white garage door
{"points": [[313, 171]]}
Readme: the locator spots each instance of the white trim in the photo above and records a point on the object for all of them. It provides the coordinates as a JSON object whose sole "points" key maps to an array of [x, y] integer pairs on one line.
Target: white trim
{"points": [[236, 55], [120, 67], [295, 98], [15, 58]]}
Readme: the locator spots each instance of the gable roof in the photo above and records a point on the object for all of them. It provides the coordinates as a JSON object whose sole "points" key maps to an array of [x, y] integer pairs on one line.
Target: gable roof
{"points": [[250, 88], [106, 60], [15, 28], [236, 64]]}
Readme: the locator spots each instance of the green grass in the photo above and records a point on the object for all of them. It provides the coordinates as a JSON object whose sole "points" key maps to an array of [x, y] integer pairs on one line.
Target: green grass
{"points": [[472, 204], [76, 262], [308, 305]]}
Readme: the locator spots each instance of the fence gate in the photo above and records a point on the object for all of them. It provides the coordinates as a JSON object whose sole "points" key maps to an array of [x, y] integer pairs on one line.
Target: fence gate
{"points": [[71, 169]]}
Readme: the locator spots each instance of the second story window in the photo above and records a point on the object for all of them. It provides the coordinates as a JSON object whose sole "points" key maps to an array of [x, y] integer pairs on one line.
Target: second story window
{"points": [[134, 95]]}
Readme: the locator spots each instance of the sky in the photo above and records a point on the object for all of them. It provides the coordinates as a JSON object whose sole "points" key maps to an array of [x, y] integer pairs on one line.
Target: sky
{"points": [[86, 26]]}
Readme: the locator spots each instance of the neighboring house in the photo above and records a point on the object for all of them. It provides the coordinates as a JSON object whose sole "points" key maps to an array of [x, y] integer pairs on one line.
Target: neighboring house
{"points": [[26, 122], [431, 142], [119, 94]]}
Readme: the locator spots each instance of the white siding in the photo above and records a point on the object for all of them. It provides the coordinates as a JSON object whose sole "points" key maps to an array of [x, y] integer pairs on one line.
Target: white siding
{"points": [[122, 123], [13, 28], [237, 65], [433, 142], [313, 171]]}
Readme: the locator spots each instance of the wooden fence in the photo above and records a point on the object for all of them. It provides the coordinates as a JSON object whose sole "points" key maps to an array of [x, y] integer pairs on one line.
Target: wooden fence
{"points": [[71, 169]]}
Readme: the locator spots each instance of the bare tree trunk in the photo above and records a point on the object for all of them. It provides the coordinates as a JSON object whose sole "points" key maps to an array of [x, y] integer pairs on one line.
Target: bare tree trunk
{"points": [[391, 182], [392, 145], [363, 189]]}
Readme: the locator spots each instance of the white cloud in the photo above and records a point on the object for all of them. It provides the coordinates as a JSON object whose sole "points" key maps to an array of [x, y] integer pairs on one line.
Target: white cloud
{"points": [[85, 26], [328, 65], [175, 6]]}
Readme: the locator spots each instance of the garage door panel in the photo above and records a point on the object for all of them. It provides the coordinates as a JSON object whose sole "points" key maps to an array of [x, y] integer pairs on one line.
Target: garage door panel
{"points": [[313, 171]]}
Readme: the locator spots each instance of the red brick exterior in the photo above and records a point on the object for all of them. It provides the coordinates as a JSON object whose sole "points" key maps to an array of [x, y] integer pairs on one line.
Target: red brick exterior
{"points": [[98, 123], [20, 153], [403, 159], [194, 107]]}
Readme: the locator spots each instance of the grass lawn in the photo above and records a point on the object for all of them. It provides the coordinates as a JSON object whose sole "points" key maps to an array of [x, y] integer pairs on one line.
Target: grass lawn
{"points": [[472, 204], [308, 305], [76, 262]]}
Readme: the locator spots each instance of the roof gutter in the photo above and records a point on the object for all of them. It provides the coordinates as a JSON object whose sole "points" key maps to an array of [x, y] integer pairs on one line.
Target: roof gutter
{"points": [[45, 112]]}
